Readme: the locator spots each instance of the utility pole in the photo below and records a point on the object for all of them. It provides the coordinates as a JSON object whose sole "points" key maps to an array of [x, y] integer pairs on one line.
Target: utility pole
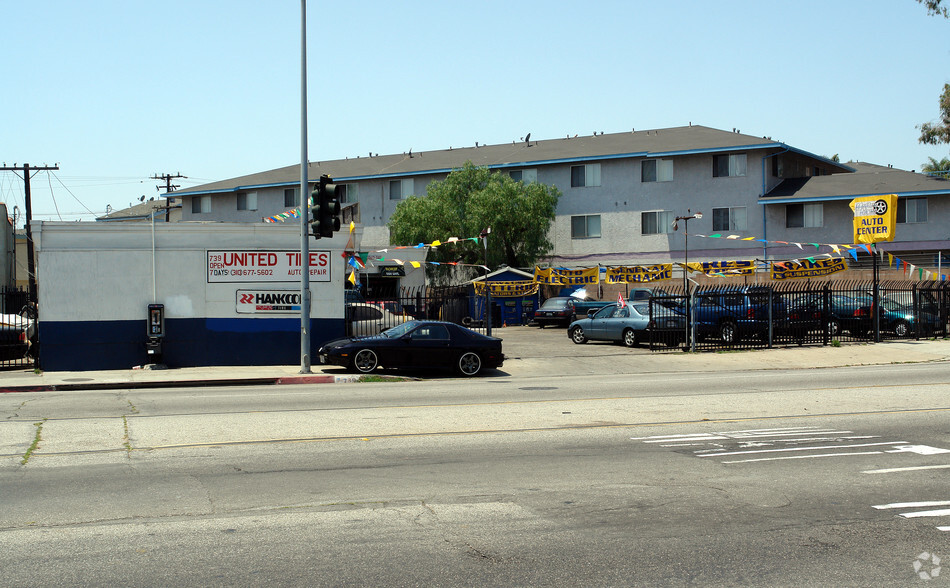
{"points": [[31, 263], [169, 188]]}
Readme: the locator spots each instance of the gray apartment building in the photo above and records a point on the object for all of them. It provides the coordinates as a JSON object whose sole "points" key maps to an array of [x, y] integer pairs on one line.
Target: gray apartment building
{"points": [[622, 191]]}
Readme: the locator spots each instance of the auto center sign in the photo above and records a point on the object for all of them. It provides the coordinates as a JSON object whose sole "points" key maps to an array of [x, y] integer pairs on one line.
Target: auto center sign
{"points": [[265, 266], [874, 218]]}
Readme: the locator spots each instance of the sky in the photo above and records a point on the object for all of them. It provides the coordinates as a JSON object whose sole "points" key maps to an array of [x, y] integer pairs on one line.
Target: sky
{"points": [[116, 91]]}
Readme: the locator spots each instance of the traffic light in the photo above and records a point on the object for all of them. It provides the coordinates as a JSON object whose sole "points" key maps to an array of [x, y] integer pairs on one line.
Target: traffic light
{"points": [[325, 208]]}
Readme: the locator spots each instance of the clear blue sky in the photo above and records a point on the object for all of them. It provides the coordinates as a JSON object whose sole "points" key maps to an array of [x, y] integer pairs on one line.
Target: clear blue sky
{"points": [[115, 91]]}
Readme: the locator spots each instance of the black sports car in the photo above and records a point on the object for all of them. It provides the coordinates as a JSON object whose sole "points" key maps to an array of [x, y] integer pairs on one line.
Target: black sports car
{"points": [[416, 345]]}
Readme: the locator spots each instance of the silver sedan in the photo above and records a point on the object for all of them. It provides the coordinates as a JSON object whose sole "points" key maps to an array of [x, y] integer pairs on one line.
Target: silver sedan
{"points": [[628, 324]]}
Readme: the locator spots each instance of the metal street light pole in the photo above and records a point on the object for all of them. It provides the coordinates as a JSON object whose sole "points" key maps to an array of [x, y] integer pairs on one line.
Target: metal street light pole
{"points": [[686, 220]]}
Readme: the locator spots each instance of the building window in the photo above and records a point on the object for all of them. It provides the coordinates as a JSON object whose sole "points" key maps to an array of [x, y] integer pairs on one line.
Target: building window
{"points": [[201, 204], [585, 176], [727, 166], [656, 222], [585, 227], [399, 189], [912, 210], [247, 201], [291, 197], [804, 215], [349, 193], [656, 170], [527, 176], [729, 219]]}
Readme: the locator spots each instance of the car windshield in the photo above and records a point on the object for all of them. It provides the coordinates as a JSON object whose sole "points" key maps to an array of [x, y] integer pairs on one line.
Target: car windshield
{"points": [[400, 330]]}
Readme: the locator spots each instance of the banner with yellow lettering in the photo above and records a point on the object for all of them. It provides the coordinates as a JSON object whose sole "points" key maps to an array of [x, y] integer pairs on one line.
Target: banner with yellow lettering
{"points": [[638, 273], [807, 268], [741, 267], [567, 277], [507, 289]]}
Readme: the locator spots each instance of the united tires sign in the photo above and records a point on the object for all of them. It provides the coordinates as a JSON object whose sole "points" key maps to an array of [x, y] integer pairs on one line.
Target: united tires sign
{"points": [[265, 266]]}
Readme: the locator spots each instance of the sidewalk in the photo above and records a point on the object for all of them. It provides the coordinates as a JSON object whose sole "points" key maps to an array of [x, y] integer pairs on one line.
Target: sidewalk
{"points": [[529, 352]]}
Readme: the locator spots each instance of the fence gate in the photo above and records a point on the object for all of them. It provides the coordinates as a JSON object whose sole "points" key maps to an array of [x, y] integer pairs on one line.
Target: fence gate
{"points": [[18, 342]]}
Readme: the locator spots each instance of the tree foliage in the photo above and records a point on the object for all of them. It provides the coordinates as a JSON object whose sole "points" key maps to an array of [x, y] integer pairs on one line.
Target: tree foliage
{"points": [[934, 133], [470, 200], [934, 7], [933, 165]]}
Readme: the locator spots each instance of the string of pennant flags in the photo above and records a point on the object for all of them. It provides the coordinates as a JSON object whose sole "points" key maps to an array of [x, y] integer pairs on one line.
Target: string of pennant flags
{"points": [[820, 264]]}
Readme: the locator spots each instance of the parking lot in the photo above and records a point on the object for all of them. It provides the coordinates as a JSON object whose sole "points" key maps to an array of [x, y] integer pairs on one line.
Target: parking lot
{"points": [[530, 351]]}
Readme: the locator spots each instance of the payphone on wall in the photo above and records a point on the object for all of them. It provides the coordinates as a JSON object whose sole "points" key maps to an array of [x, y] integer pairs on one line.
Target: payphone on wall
{"points": [[155, 332]]}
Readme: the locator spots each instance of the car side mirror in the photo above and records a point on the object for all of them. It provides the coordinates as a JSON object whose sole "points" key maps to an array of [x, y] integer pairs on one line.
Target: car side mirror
{"points": [[591, 313]]}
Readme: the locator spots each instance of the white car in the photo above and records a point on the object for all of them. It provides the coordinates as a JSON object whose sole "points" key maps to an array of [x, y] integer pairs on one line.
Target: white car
{"points": [[369, 319]]}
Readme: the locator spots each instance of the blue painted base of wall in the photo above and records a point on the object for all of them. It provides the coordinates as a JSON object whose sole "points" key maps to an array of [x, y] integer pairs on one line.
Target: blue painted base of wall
{"points": [[110, 345]]}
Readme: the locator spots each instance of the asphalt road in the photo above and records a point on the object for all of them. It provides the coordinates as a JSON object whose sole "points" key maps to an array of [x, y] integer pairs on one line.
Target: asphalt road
{"points": [[779, 478]]}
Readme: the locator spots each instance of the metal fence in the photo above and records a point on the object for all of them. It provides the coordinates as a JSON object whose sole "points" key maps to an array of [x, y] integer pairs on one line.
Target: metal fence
{"points": [[807, 314], [18, 331], [455, 304]]}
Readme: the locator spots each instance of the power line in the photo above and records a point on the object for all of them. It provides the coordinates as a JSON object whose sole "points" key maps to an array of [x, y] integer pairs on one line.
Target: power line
{"points": [[30, 256]]}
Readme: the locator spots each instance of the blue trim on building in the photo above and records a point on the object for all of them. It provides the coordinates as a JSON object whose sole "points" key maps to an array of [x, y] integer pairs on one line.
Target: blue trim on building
{"points": [[847, 197], [110, 345]]}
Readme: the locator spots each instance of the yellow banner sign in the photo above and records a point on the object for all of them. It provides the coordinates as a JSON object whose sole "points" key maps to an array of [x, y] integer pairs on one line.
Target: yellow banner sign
{"points": [[566, 277], [507, 289], [807, 268], [638, 273], [874, 218], [741, 267]]}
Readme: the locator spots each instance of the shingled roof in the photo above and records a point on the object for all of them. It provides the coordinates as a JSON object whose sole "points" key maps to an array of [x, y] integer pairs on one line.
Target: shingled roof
{"points": [[521, 153], [867, 180]]}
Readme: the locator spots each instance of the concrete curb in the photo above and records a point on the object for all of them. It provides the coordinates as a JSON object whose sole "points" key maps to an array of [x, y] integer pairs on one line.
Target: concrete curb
{"points": [[269, 381]]}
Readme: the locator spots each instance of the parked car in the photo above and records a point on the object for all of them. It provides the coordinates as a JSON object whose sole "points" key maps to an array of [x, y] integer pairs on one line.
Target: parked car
{"points": [[734, 315], [563, 310], [899, 319], [369, 319], [417, 345], [628, 324], [557, 310], [16, 335]]}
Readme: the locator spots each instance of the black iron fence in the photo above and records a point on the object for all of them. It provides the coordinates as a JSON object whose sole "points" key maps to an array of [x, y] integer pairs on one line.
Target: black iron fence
{"points": [[807, 314], [455, 304], [18, 330]]}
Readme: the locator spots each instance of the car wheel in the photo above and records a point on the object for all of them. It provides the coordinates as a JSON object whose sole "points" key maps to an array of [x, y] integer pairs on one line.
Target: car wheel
{"points": [[469, 363], [577, 335], [630, 338], [834, 328], [902, 329], [729, 332], [365, 361]]}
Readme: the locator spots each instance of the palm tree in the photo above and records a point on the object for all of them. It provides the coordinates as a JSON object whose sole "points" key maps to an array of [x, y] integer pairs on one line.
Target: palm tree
{"points": [[937, 168]]}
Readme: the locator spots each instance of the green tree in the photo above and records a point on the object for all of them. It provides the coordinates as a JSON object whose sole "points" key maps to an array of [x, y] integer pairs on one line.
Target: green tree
{"points": [[934, 133], [470, 200], [933, 165], [934, 7]]}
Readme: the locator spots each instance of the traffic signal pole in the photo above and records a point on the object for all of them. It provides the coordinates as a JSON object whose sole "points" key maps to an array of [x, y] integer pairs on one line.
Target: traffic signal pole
{"points": [[304, 200]]}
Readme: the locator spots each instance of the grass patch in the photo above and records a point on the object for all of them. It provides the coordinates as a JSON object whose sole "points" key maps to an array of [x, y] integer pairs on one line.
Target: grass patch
{"points": [[384, 379], [36, 442]]}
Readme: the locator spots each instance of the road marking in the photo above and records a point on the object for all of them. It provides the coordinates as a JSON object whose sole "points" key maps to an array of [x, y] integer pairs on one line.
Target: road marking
{"points": [[926, 513], [907, 469], [805, 456], [919, 449], [801, 449], [943, 528], [912, 504]]}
